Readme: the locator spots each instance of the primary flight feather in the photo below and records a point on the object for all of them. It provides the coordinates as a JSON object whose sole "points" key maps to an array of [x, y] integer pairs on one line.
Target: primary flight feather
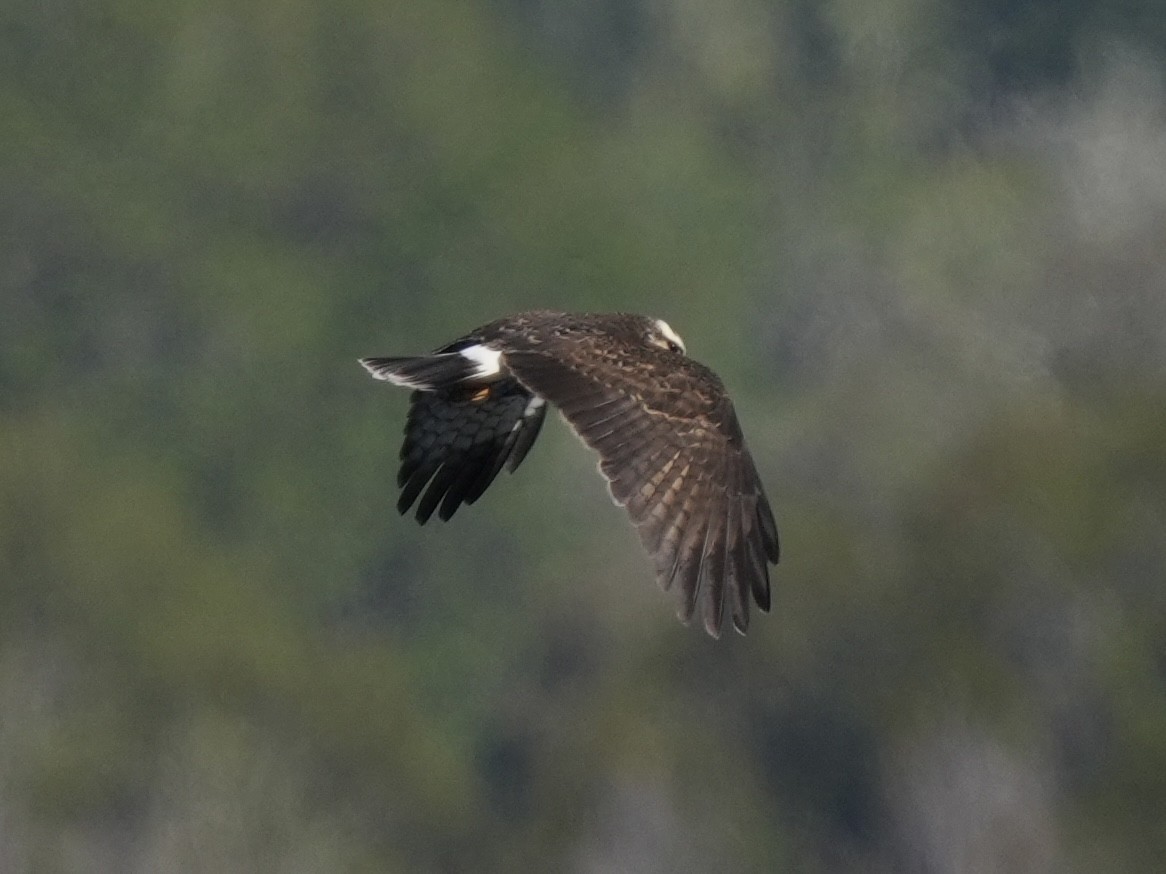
{"points": [[668, 440]]}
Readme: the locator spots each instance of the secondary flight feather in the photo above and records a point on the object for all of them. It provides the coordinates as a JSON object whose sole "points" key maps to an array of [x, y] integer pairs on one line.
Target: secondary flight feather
{"points": [[668, 440]]}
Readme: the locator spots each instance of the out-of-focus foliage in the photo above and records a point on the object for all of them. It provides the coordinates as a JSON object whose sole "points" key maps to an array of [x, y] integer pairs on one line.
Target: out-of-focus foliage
{"points": [[923, 242]]}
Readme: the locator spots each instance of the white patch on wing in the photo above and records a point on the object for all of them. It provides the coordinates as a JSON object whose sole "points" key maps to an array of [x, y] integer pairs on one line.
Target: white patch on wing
{"points": [[532, 407], [666, 330], [488, 361]]}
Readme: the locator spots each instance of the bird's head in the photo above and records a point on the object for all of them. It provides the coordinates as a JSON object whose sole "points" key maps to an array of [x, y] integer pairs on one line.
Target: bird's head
{"points": [[659, 333]]}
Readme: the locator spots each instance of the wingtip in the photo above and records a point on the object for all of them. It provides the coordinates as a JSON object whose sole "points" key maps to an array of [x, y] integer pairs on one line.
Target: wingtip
{"points": [[741, 616], [686, 613]]}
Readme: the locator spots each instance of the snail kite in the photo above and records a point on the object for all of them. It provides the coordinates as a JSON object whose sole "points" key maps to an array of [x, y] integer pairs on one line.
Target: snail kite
{"points": [[668, 441]]}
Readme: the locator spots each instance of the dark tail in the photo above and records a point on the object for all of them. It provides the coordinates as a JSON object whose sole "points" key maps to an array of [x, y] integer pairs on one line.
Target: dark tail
{"points": [[427, 373]]}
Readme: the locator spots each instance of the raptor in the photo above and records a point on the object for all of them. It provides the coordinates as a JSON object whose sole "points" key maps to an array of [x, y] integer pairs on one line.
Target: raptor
{"points": [[667, 436]]}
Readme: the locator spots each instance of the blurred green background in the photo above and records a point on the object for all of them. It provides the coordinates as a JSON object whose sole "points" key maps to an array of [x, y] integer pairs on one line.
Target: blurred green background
{"points": [[924, 244]]}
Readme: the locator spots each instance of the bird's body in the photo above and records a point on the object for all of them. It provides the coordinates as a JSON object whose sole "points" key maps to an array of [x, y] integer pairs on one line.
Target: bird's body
{"points": [[668, 439]]}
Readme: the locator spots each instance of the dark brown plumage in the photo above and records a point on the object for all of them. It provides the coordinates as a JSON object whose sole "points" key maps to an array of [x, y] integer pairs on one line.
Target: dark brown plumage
{"points": [[668, 440]]}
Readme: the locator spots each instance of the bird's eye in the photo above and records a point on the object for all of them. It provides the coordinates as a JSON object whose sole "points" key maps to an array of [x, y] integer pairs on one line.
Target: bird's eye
{"points": [[664, 340]]}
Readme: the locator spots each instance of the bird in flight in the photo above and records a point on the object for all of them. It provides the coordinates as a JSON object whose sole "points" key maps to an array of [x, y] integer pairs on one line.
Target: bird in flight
{"points": [[668, 440]]}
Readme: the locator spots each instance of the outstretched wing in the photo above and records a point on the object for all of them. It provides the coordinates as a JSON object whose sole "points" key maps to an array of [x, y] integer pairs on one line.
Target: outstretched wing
{"points": [[458, 439], [677, 462]]}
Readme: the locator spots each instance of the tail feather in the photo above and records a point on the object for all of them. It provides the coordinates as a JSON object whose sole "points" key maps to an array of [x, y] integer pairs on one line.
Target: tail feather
{"points": [[425, 373]]}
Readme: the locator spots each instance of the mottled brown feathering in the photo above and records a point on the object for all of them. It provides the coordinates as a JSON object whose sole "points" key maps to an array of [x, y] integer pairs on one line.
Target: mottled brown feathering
{"points": [[667, 436]]}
